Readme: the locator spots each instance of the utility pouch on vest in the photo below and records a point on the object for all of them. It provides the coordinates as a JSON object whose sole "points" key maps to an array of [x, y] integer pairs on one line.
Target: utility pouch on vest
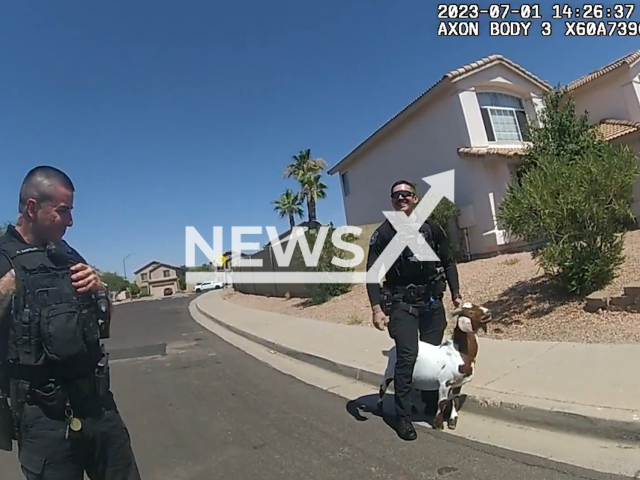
{"points": [[61, 331]]}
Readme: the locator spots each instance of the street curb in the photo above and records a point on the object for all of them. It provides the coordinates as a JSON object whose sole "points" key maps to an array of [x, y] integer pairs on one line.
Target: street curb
{"points": [[555, 420]]}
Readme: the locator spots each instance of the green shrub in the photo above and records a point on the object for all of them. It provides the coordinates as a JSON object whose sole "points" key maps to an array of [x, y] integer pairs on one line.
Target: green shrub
{"points": [[573, 192], [134, 289], [446, 215], [320, 293]]}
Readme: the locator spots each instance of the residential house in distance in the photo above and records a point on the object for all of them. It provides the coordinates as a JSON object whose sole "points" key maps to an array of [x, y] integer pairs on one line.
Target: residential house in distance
{"points": [[472, 120], [155, 276]]}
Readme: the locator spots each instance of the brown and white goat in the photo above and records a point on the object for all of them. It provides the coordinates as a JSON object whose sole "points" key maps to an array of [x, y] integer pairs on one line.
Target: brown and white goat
{"points": [[448, 366]]}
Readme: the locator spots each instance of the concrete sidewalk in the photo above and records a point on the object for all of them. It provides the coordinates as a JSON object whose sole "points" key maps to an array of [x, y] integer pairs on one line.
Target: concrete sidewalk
{"points": [[585, 389]]}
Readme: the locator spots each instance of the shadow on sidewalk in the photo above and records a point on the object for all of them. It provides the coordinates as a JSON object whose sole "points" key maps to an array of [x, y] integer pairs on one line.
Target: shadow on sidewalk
{"points": [[367, 404]]}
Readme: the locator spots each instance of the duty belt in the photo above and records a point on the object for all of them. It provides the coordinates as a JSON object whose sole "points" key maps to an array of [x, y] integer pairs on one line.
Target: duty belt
{"points": [[415, 294]]}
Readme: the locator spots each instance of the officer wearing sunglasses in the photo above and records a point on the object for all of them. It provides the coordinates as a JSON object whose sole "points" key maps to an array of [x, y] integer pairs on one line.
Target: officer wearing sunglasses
{"points": [[410, 303]]}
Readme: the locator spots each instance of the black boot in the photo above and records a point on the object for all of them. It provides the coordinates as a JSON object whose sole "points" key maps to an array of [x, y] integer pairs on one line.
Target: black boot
{"points": [[405, 429]]}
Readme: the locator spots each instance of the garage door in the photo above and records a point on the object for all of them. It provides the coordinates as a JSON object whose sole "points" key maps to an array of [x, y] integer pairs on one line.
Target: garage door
{"points": [[158, 290]]}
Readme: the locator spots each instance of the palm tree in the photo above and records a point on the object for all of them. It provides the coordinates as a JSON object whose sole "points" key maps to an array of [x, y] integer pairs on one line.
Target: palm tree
{"points": [[313, 188], [289, 203], [307, 171], [303, 164]]}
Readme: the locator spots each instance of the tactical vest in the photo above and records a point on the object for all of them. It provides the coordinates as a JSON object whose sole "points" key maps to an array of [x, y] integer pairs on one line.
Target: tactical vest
{"points": [[53, 331]]}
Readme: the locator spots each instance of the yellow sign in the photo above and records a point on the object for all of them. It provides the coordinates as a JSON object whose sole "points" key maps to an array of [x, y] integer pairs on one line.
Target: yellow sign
{"points": [[221, 260]]}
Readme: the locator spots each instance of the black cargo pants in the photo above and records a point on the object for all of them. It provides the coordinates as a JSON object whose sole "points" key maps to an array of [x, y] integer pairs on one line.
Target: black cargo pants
{"points": [[428, 323], [103, 449]]}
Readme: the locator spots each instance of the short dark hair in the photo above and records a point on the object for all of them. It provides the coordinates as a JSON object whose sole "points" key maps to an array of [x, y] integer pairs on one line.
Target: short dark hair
{"points": [[39, 183], [404, 182]]}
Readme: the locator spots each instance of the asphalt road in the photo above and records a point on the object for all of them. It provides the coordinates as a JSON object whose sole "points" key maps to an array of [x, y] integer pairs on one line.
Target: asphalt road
{"points": [[202, 409]]}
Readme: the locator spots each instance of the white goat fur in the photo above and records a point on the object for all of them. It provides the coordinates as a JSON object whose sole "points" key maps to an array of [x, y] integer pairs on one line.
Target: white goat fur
{"points": [[436, 367]]}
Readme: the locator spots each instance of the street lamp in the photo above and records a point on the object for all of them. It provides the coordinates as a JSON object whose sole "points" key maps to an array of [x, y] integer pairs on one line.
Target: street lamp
{"points": [[124, 265]]}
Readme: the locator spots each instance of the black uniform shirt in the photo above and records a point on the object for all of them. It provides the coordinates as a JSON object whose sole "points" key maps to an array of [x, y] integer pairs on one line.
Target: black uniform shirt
{"points": [[399, 274]]}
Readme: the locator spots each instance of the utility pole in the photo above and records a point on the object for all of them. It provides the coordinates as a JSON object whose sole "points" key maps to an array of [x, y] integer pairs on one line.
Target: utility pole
{"points": [[124, 265]]}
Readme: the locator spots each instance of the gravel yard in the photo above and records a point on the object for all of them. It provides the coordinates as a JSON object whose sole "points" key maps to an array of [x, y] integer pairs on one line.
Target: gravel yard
{"points": [[511, 286]]}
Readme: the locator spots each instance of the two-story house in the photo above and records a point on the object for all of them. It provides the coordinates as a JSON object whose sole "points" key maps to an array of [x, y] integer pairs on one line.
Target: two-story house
{"points": [[154, 277], [473, 121]]}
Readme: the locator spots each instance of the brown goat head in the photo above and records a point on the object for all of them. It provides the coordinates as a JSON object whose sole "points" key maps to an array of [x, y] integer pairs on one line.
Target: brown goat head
{"points": [[471, 317]]}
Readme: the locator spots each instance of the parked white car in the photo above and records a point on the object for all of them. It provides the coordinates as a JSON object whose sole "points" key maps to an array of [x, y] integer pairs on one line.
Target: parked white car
{"points": [[204, 286]]}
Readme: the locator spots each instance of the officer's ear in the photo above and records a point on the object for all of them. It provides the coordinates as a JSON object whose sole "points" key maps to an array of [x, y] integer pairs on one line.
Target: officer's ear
{"points": [[31, 209]]}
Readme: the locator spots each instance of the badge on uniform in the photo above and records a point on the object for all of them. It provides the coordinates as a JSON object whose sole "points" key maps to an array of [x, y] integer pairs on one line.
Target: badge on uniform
{"points": [[374, 237]]}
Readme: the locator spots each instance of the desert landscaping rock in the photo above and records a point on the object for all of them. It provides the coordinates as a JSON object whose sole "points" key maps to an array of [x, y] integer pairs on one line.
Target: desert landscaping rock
{"points": [[597, 301], [620, 302], [632, 290]]}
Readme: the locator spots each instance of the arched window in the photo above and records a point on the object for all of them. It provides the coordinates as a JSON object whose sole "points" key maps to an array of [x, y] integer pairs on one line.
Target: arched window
{"points": [[504, 117]]}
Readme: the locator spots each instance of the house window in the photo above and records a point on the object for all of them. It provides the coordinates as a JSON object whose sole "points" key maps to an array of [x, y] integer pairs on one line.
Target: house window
{"points": [[345, 183], [143, 277], [504, 117], [165, 273]]}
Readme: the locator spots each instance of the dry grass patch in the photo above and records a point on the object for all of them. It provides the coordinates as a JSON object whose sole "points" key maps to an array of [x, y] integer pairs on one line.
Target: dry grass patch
{"points": [[524, 306]]}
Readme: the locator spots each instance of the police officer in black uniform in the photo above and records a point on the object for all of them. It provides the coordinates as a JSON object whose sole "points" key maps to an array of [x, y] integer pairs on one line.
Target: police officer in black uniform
{"points": [[410, 301], [54, 312]]}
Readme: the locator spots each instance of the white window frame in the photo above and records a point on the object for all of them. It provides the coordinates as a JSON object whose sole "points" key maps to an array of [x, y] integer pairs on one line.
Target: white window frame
{"points": [[511, 110]]}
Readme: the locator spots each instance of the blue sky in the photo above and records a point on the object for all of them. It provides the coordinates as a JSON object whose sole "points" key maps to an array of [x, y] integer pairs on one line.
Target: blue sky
{"points": [[168, 114]]}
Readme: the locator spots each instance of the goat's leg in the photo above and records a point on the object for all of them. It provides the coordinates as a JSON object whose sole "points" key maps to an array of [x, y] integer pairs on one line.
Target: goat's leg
{"points": [[383, 389], [455, 406], [443, 395]]}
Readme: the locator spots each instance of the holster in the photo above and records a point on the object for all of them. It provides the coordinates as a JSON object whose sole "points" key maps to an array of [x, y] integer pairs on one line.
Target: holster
{"points": [[7, 426], [386, 301], [103, 376], [439, 285]]}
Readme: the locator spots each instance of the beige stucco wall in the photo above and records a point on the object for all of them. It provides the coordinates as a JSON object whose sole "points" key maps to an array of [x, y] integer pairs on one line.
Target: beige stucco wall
{"points": [[616, 95]]}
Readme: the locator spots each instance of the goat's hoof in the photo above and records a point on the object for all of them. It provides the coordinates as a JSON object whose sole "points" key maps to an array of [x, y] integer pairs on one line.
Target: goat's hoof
{"points": [[452, 424], [438, 424]]}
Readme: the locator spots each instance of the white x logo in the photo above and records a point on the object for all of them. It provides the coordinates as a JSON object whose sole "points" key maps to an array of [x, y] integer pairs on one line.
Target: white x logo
{"points": [[407, 226]]}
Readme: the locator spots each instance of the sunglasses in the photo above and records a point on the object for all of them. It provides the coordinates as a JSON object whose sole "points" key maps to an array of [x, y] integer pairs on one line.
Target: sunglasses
{"points": [[401, 194]]}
